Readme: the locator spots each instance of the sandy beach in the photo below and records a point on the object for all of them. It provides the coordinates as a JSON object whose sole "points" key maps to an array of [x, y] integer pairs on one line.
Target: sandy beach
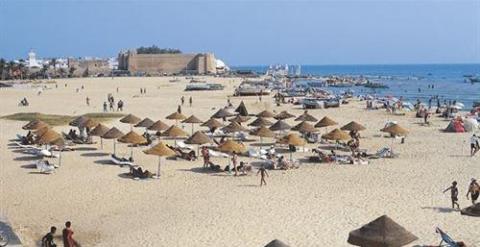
{"points": [[315, 205]]}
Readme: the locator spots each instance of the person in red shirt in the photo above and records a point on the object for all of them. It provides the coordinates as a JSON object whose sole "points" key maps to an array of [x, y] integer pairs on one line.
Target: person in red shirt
{"points": [[68, 236]]}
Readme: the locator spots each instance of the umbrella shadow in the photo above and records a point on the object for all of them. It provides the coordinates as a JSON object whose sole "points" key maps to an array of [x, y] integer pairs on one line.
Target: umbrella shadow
{"points": [[29, 166], [27, 158], [104, 162], [441, 209], [18, 150], [459, 155], [200, 170], [96, 154], [265, 144], [86, 149], [39, 173], [248, 185]]}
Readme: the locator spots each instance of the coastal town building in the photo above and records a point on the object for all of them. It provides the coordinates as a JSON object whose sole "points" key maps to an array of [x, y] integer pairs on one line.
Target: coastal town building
{"points": [[89, 66]]}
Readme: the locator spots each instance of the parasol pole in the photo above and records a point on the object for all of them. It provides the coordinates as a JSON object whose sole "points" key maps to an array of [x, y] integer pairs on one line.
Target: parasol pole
{"points": [[159, 164]]}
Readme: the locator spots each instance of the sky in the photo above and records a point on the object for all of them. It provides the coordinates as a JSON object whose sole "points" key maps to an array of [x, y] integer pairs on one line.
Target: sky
{"points": [[249, 32]]}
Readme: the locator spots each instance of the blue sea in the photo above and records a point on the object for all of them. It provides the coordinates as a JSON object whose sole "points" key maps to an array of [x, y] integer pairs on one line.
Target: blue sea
{"points": [[410, 81]]}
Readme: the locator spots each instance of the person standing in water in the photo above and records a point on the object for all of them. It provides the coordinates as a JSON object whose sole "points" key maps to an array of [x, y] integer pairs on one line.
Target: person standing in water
{"points": [[263, 172], [454, 194]]}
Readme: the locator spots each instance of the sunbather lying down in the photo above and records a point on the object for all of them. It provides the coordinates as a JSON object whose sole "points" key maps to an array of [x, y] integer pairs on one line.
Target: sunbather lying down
{"points": [[140, 173], [283, 164]]}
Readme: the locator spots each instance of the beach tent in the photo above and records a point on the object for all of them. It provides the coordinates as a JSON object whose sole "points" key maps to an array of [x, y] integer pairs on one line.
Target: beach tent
{"points": [[470, 124], [455, 126]]}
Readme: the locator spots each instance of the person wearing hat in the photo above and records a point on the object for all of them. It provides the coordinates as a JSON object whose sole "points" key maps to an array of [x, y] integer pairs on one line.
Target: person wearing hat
{"points": [[454, 194], [473, 190]]}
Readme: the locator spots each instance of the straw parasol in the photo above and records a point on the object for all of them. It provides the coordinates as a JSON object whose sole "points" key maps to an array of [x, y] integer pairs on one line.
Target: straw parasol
{"points": [[292, 139], [239, 119], [260, 121], [304, 127], [234, 127], [48, 137], [212, 124], [130, 119], [325, 122], [42, 130], [241, 109], [34, 124], [336, 135], [160, 150], [198, 138], [113, 133], [176, 116], [280, 125], [263, 132], [266, 114], [132, 138], [283, 115], [383, 231], [78, 121], [473, 210], [145, 123], [276, 243], [306, 117], [353, 126], [174, 132], [395, 130], [158, 126], [193, 120], [89, 123], [222, 113], [99, 130], [231, 146]]}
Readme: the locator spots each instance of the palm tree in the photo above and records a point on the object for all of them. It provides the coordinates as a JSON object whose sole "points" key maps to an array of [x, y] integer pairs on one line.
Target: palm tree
{"points": [[53, 62], [2, 68], [44, 71]]}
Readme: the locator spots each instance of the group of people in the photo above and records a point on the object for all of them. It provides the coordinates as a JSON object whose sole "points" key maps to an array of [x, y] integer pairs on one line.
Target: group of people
{"points": [[474, 144], [143, 91], [111, 104], [67, 236], [473, 191], [190, 100]]}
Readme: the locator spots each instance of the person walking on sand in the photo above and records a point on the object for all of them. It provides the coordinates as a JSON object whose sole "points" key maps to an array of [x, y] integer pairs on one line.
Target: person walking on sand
{"points": [[47, 240], [234, 161], [67, 235], [263, 173], [473, 145], [454, 194], [182, 99], [206, 157], [120, 105], [190, 101], [104, 106], [473, 190], [88, 101]]}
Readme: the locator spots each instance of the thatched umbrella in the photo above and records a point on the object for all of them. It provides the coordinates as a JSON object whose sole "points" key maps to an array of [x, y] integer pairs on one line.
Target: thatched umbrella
{"points": [[234, 127], [239, 119], [89, 123], [174, 132], [276, 243], [263, 132], [241, 109], [266, 114], [260, 121], [158, 126], [395, 130], [113, 133], [176, 116], [325, 122], [283, 115], [198, 138], [34, 124], [212, 124], [306, 117], [99, 130], [292, 139], [231, 146], [193, 120], [42, 130], [383, 231], [48, 137], [145, 123], [473, 210], [134, 139], [160, 150], [78, 121], [336, 135], [280, 125], [222, 113], [353, 126], [130, 119], [304, 127]]}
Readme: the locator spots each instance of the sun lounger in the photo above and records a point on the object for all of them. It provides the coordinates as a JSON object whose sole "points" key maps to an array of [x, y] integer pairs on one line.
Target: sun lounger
{"points": [[447, 241], [29, 149], [182, 144], [121, 161], [217, 154], [44, 167]]}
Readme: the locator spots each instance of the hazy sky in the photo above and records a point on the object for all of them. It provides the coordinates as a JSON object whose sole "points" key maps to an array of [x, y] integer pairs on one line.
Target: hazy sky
{"points": [[249, 32]]}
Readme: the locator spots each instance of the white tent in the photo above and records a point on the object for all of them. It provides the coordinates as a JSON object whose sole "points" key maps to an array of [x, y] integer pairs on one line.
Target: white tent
{"points": [[471, 124]]}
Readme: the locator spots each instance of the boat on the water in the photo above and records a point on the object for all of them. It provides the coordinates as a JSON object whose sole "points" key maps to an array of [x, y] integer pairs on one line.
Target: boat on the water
{"points": [[204, 87], [251, 90], [374, 85]]}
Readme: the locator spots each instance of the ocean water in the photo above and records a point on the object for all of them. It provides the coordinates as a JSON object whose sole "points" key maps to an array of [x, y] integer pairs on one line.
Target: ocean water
{"points": [[409, 81]]}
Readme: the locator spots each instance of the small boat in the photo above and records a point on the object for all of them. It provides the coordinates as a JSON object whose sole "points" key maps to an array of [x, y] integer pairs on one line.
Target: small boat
{"points": [[374, 85], [204, 87], [249, 90], [472, 79]]}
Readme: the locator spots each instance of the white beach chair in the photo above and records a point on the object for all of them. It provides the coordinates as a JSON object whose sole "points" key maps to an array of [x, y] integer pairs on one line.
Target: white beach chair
{"points": [[43, 167], [217, 154], [182, 144]]}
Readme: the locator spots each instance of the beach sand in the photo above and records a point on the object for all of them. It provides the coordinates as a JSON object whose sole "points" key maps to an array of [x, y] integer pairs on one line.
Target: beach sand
{"points": [[316, 205]]}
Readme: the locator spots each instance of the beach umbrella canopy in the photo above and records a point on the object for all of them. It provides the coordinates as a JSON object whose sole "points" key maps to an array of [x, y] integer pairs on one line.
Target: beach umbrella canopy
{"points": [[158, 126], [284, 115], [353, 126], [34, 124], [473, 210], [382, 232], [292, 139], [174, 132], [260, 121], [132, 138], [336, 135], [263, 132], [241, 109], [78, 121], [130, 119], [234, 127], [239, 119], [306, 117], [304, 127], [176, 116], [113, 133], [198, 138], [325, 122], [276, 243], [99, 130], [231, 146], [192, 119], [41, 131], [280, 125], [222, 113], [145, 123], [160, 150], [89, 123], [265, 114], [395, 130], [48, 137], [212, 123]]}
